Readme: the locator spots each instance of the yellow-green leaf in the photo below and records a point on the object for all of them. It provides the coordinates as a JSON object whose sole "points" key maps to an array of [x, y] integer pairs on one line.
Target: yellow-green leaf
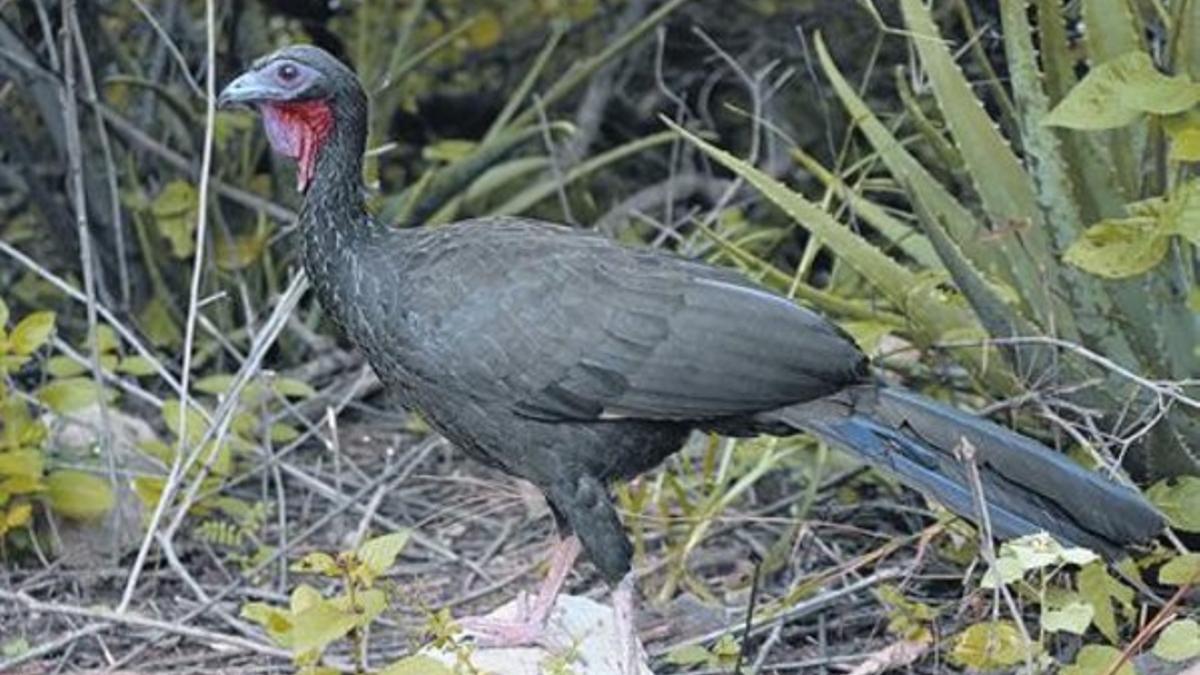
{"points": [[1179, 641], [1179, 500], [67, 394], [1097, 660], [1100, 590], [317, 625], [1119, 91], [417, 665], [174, 211], [379, 554], [214, 384], [156, 321], [317, 563], [293, 388], [78, 495], [3, 316], [195, 422], [18, 515], [106, 339], [303, 597], [486, 30], [989, 646], [688, 655], [28, 463], [31, 333], [368, 605], [149, 490], [283, 433], [1074, 617], [241, 251], [138, 366], [1184, 569], [1119, 248], [273, 620], [64, 366], [1184, 132]]}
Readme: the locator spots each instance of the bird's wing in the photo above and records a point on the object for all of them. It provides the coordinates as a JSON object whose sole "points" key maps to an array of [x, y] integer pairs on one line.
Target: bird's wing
{"points": [[573, 327]]}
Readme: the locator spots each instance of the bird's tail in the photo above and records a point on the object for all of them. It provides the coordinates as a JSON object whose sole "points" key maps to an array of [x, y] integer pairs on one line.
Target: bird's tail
{"points": [[1027, 487]]}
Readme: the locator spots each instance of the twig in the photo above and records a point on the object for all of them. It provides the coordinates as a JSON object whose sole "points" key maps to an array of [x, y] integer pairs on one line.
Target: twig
{"points": [[177, 465], [966, 454], [127, 619], [74, 144]]}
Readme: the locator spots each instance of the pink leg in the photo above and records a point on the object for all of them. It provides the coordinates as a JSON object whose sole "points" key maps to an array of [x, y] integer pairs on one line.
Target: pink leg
{"points": [[624, 608], [529, 626]]}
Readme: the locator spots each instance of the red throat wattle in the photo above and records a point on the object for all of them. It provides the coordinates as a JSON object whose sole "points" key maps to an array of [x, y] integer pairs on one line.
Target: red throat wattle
{"points": [[298, 129]]}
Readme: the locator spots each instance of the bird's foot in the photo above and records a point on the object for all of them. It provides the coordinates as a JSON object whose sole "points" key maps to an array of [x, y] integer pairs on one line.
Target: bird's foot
{"points": [[624, 612], [527, 629]]}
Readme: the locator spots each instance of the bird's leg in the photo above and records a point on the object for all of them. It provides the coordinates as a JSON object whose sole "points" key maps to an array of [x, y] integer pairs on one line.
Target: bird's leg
{"points": [[529, 626], [624, 604]]}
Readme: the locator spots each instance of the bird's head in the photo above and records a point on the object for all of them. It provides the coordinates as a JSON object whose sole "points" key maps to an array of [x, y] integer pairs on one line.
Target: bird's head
{"points": [[305, 96]]}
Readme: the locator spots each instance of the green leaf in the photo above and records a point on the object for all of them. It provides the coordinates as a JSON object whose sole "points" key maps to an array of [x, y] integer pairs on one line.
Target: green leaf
{"points": [[275, 621], [155, 319], [303, 597], [379, 554], [68, 394], [31, 333], [195, 423], [1119, 248], [106, 339], [1035, 551], [369, 604], [18, 515], [1100, 590], [989, 646], [293, 388], [3, 316], [688, 655], [1096, 660], [1184, 569], [1180, 641], [28, 463], [174, 211], [79, 495], [64, 366], [317, 563], [319, 624], [1007, 570], [283, 433], [1184, 132], [1182, 214], [1074, 618], [1119, 91], [138, 366], [214, 384], [419, 664], [1179, 500]]}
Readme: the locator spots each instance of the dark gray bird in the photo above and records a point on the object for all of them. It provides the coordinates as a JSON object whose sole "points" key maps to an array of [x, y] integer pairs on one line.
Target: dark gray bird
{"points": [[571, 361]]}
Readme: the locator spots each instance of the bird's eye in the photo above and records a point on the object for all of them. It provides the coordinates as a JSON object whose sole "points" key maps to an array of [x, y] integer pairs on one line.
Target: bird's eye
{"points": [[287, 72]]}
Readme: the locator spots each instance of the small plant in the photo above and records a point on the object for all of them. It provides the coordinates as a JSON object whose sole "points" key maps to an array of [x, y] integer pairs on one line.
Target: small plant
{"points": [[313, 621], [27, 475]]}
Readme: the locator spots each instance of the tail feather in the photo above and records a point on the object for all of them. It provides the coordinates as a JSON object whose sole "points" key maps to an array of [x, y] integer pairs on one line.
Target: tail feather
{"points": [[1027, 486]]}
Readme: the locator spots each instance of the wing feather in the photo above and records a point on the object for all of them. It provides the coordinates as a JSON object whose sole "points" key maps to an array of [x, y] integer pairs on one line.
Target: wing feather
{"points": [[576, 327]]}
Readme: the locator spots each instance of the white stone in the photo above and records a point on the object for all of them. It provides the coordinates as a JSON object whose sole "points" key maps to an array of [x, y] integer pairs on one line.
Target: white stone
{"points": [[578, 621]]}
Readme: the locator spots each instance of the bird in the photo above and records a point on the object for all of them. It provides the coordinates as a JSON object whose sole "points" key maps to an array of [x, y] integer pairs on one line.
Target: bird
{"points": [[564, 358]]}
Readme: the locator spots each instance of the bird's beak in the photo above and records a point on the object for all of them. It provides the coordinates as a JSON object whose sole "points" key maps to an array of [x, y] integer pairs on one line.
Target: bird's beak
{"points": [[250, 87]]}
